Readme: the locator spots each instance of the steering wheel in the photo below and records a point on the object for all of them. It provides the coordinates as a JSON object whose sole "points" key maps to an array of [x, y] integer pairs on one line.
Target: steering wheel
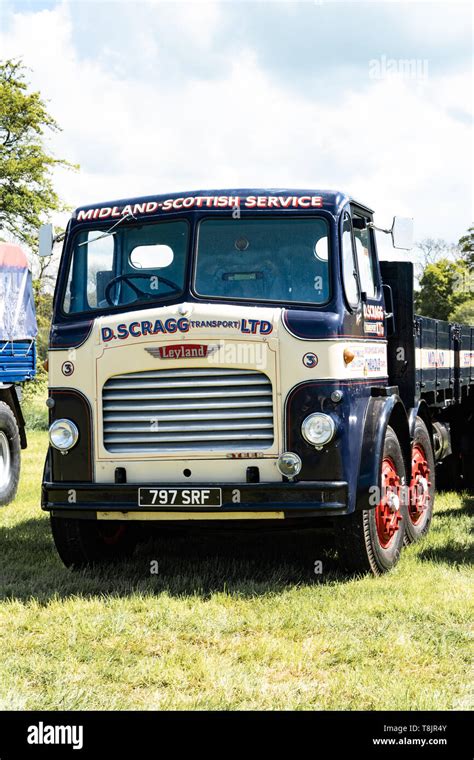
{"points": [[139, 292]]}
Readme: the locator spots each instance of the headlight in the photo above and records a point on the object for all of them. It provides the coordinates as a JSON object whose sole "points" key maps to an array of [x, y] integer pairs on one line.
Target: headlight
{"points": [[289, 464], [318, 429], [63, 435]]}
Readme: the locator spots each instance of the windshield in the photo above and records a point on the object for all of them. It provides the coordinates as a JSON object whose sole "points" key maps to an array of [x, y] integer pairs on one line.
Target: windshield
{"points": [[264, 259], [131, 266], [272, 259]]}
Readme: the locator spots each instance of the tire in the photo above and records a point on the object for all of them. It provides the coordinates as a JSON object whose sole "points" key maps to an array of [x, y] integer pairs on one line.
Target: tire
{"points": [[370, 540], [10, 455], [422, 485], [81, 543]]}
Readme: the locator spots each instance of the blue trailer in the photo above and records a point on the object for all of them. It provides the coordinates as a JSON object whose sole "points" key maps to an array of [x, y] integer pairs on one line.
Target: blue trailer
{"points": [[18, 331]]}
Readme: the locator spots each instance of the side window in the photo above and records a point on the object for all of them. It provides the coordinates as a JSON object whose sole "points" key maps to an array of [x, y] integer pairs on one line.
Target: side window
{"points": [[365, 261], [349, 272], [88, 270]]}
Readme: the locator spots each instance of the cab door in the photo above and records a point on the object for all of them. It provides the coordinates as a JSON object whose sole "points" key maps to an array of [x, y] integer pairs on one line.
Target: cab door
{"points": [[373, 313]]}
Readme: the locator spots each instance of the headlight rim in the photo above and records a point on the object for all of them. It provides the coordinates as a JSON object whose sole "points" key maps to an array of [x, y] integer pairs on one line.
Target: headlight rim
{"points": [[297, 461], [74, 433], [318, 444]]}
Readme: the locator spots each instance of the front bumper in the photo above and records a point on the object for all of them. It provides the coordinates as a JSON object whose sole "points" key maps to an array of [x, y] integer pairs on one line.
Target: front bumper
{"points": [[239, 500]]}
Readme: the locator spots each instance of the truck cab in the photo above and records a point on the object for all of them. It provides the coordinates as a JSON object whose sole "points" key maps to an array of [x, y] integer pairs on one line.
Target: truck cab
{"points": [[219, 357]]}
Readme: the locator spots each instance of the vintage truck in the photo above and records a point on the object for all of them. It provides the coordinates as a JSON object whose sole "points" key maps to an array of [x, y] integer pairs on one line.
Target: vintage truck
{"points": [[242, 356], [17, 361]]}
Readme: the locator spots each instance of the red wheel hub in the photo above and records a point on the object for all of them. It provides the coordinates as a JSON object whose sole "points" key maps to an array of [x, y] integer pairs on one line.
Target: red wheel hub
{"points": [[387, 512], [420, 484]]}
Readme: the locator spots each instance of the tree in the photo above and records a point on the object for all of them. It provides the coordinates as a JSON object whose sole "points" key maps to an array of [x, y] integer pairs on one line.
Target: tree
{"points": [[27, 194], [442, 288], [466, 246], [464, 313], [44, 309], [431, 250]]}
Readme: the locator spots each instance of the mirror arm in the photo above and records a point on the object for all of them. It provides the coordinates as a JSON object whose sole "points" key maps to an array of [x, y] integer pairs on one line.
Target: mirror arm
{"points": [[372, 226]]}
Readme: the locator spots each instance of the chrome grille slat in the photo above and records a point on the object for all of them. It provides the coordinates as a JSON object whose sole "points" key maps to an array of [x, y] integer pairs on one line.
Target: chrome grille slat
{"points": [[190, 393], [133, 427], [173, 417], [211, 436], [163, 374], [208, 383], [167, 407], [197, 409]]}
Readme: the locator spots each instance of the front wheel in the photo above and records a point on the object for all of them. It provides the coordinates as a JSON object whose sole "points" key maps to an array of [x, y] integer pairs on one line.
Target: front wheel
{"points": [[80, 543], [10, 455], [370, 540]]}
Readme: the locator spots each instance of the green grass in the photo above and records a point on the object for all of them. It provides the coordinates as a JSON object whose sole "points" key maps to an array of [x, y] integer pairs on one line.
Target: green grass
{"points": [[34, 395], [231, 621]]}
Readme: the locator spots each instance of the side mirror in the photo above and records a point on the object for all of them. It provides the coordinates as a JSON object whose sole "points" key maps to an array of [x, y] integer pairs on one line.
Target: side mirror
{"points": [[45, 240], [402, 232]]}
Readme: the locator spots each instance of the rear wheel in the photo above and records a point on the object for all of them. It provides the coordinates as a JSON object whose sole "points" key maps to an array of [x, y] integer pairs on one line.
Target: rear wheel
{"points": [[371, 540], [86, 542], [10, 455], [422, 485]]}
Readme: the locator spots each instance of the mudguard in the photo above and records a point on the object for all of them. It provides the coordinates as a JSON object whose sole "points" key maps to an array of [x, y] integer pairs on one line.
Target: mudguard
{"points": [[381, 412], [421, 410], [9, 395]]}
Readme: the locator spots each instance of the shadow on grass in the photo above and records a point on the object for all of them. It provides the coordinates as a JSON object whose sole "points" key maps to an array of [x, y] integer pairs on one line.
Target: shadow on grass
{"points": [[244, 563], [467, 508], [453, 553]]}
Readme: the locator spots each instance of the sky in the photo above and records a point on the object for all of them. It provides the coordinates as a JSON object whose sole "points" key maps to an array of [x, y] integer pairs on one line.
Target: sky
{"points": [[371, 98]]}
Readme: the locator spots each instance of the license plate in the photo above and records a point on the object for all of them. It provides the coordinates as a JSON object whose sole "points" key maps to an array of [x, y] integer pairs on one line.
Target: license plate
{"points": [[180, 497]]}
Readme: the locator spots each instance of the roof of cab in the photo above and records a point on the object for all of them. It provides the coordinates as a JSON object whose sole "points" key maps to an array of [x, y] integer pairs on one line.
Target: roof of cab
{"points": [[331, 200]]}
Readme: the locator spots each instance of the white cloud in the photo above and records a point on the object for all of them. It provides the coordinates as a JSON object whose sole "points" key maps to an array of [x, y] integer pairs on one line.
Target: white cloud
{"points": [[397, 144]]}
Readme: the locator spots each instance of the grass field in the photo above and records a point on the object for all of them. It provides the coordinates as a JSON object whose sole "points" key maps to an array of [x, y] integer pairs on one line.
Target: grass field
{"points": [[231, 621]]}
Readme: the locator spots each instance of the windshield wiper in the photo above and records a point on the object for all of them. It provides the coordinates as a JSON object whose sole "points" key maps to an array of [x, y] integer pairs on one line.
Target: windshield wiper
{"points": [[110, 231]]}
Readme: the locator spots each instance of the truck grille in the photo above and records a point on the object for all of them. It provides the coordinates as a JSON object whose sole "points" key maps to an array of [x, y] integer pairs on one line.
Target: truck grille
{"points": [[187, 409]]}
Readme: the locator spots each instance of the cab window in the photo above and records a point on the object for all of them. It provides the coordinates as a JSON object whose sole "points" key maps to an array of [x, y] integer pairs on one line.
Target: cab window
{"points": [[349, 271], [365, 260], [136, 264]]}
